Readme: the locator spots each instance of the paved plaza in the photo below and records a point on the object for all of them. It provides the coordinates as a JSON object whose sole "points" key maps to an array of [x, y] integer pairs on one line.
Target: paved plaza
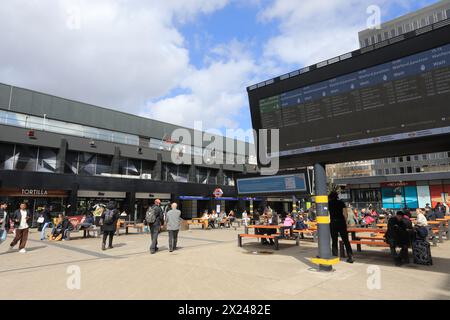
{"points": [[210, 265]]}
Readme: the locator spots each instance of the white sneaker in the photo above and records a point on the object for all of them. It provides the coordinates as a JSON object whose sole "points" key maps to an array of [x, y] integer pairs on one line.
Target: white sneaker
{"points": [[22, 250]]}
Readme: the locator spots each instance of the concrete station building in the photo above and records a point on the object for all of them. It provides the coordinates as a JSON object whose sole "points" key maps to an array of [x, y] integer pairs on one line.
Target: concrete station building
{"points": [[62, 152]]}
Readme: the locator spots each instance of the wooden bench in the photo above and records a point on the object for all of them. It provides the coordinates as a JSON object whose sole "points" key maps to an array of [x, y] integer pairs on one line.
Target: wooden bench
{"points": [[198, 223], [93, 229], [258, 236], [374, 242], [311, 232]]}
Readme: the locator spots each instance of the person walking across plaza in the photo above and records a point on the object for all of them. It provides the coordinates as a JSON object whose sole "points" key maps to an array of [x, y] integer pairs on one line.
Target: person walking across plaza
{"points": [[338, 225], [4, 221], [21, 218], [47, 220], [173, 222], [155, 219], [109, 219]]}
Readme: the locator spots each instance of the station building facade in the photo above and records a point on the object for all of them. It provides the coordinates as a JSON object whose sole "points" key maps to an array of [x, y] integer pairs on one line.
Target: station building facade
{"points": [[73, 155], [397, 191]]}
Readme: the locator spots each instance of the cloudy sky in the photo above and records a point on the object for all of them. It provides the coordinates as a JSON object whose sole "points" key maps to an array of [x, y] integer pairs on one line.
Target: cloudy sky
{"points": [[178, 61]]}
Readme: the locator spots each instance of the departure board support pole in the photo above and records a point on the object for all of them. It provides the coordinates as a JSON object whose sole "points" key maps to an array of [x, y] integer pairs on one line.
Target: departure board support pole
{"points": [[324, 259]]}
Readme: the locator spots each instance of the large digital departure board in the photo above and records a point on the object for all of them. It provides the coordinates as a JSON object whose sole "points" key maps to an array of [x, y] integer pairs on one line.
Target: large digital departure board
{"points": [[390, 95]]}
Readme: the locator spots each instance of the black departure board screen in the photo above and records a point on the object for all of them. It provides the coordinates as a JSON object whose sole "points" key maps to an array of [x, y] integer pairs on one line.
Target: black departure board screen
{"points": [[402, 98]]}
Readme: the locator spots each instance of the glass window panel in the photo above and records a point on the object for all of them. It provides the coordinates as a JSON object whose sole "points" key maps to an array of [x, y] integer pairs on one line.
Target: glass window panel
{"points": [[103, 164], [6, 157], [202, 175], [87, 162], [47, 160], [183, 173], [134, 167], [212, 176], [71, 165], [156, 144], [25, 158], [147, 167], [34, 123]]}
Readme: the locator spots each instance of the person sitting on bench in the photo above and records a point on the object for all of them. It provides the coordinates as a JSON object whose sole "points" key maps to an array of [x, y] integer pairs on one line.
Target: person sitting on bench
{"points": [[288, 225], [398, 235], [86, 222], [59, 232], [270, 219]]}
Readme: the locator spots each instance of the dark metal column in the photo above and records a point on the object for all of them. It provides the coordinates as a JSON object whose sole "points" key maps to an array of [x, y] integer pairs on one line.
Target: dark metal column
{"points": [[324, 260], [157, 169], [115, 164], [61, 157]]}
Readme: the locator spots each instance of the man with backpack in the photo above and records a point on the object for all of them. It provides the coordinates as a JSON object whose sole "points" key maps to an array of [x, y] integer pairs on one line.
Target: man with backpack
{"points": [[155, 219], [109, 219]]}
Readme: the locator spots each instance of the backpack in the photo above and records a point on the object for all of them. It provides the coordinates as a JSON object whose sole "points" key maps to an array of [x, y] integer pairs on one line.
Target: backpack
{"points": [[150, 215], [109, 217], [421, 233]]}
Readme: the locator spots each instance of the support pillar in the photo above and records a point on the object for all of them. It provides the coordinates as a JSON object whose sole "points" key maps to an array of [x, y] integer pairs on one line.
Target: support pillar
{"points": [[115, 164], [157, 170], [61, 157], [325, 261], [294, 204]]}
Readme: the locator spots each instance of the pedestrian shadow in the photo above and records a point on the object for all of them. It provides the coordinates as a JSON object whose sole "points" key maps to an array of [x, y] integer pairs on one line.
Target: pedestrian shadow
{"points": [[30, 249], [119, 245]]}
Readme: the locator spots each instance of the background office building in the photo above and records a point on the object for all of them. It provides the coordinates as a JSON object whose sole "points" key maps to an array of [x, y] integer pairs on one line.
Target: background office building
{"points": [[435, 13], [435, 162], [74, 155]]}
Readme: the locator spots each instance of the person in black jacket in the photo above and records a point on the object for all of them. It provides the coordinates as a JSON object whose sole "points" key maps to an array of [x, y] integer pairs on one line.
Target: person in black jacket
{"points": [[4, 218], [398, 234], [22, 219], [109, 223], [338, 225], [46, 214], [156, 226]]}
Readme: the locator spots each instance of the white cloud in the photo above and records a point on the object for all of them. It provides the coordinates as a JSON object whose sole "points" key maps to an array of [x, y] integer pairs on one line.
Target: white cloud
{"points": [[311, 31], [111, 53], [215, 94]]}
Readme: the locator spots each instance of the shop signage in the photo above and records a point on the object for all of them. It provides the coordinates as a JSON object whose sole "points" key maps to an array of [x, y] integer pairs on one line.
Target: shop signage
{"points": [[146, 195], [398, 184], [34, 192], [101, 194], [29, 192], [218, 193]]}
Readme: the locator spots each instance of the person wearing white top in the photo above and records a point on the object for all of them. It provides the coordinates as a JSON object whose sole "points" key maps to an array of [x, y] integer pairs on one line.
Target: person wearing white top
{"points": [[21, 218], [421, 220]]}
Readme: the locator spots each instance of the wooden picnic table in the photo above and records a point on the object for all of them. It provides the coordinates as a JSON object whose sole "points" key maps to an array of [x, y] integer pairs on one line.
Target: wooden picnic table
{"points": [[276, 236], [377, 240]]}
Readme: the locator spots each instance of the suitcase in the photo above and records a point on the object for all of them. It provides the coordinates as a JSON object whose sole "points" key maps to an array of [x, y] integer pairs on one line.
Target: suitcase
{"points": [[422, 252]]}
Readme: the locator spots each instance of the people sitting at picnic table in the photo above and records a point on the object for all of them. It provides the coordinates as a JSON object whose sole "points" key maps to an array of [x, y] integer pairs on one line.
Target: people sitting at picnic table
{"points": [[245, 218], [288, 224], [59, 231], [420, 227], [222, 219], [269, 218], [231, 217], [214, 215], [86, 222], [398, 235], [212, 219], [440, 211]]}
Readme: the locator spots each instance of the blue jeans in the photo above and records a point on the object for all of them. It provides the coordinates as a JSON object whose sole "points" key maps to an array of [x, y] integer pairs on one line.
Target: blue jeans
{"points": [[44, 228]]}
